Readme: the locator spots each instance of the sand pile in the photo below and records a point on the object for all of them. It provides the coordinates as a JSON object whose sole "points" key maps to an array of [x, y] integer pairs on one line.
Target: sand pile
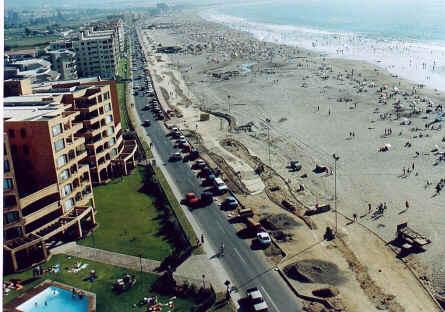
{"points": [[315, 271]]}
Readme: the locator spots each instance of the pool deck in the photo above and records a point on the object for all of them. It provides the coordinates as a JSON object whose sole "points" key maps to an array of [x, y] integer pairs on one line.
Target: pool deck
{"points": [[12, 306]]}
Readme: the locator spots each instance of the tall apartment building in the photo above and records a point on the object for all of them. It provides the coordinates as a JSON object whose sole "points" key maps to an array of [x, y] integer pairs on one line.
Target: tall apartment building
{"points": [[118, 26], [48, 195], [109, 154], [96, 53]]}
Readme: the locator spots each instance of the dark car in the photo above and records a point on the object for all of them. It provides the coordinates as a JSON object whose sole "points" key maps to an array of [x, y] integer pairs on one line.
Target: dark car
{"points": [[147, 123], [176, 157], [230, 203], [206, 198], [194, 154]]}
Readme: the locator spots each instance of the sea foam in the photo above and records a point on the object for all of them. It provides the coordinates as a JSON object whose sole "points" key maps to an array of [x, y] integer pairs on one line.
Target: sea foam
{"points": [[420, 62]]}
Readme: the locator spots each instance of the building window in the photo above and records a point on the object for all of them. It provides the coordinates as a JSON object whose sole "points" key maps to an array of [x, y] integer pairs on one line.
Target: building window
{"points": [[107, 107], [110, 131], [6, 167], [108, 119], [69, 204], [61, 161], [66, 190], [14, 149], [59, 145], [23, 132], [57, 129], [10, 217], [65, 174], [26, 149], [7, 184], [9, 201], [11, 133]]}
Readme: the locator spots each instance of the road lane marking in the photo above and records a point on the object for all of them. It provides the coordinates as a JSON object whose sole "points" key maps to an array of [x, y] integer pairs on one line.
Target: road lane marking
{"points": [[269, 298], [239, 255]]}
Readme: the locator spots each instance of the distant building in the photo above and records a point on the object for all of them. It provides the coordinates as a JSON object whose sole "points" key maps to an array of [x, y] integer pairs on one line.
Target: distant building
{"points": [[96, 53], [64, 62], [38, 70], [48, 194], [16, 87]]}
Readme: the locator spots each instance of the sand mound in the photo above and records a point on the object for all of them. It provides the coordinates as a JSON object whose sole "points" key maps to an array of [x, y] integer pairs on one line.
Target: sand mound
{"points": [[279, 222], [315, 271]]}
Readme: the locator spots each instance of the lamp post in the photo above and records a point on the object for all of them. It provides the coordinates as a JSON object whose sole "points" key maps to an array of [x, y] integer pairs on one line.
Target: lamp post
{"points": [[336, 158]]}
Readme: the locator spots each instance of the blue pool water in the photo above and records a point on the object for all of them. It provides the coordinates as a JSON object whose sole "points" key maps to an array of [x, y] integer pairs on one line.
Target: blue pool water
{"points": [[54, 299]]}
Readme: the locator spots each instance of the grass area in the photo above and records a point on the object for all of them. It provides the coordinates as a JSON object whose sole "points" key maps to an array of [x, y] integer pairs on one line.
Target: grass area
{"points": [[123, 72], [106, 299], [130, 222], [176, 207]]}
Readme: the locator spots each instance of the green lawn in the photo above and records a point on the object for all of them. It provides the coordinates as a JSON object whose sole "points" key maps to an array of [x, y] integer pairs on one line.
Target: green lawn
{"points": [[123, 73], [106, 299], [129, 221]]}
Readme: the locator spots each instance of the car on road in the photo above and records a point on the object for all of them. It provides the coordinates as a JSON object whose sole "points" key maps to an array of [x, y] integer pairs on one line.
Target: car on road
{"points": [[206, 198], [191, 199], [194, 153], [230, 203], [263, 238], [176, 156], [199, 163], [220, 186], [256, 300], [147, 123]]}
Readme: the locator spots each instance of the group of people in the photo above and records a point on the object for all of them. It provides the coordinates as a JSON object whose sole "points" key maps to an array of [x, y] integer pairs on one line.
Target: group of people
{"points": [[77, 293]]}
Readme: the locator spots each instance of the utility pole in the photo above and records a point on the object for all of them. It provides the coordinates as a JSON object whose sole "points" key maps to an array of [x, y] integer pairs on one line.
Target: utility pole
{"points": [[268, 145], [336, 158], [228, 102]]}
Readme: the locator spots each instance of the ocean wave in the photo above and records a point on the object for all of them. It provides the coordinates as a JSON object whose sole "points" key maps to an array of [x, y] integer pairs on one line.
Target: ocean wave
{"points": [[422, 62]]}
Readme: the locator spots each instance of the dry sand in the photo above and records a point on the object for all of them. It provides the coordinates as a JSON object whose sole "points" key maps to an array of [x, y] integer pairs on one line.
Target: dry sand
{"points": [[312, 105]]}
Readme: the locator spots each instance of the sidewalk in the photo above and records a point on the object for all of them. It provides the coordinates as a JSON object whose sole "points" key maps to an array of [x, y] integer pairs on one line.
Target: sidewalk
{"points": [[108, 257]]}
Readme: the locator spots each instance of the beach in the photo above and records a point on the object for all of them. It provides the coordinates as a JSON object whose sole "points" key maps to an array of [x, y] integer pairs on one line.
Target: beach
{"points": [[289, 103]]}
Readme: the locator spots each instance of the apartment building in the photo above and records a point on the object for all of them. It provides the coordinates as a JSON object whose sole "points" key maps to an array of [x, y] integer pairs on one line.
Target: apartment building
{"points": [[96, 53], [109, 154], [48, 195]]}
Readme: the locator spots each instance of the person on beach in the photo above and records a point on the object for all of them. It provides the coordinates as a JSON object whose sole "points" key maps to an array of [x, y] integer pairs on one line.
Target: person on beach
{"points": [[406, 204], [369, 208]]}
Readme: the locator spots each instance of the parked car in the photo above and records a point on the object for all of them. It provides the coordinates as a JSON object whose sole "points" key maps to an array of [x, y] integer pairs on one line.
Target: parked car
{"points": [[207, 198], [194, 153], [230, 203], [220, 186], [199, 163], [191, 199], [176, 156], [147, 123], [256, 300], [264, 238]]}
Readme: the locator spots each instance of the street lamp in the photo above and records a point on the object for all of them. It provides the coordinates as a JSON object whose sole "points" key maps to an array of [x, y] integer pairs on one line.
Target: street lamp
{"points": [[336, 158]]}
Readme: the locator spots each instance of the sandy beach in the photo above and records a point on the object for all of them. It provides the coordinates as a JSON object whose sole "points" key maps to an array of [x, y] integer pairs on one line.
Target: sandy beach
{"points": [[387, 132]]}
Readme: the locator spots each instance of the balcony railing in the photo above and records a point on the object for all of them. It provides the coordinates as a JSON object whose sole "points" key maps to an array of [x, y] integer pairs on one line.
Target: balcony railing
{"points": [[49, 190], [42, 212]]}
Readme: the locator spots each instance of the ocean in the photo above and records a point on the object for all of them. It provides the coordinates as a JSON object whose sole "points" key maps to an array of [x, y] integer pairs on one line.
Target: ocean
{"points": [[406, 37]]}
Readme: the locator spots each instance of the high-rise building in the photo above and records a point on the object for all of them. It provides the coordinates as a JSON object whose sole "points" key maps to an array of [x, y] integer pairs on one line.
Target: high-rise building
{"points": [[96, 53], [109, 154], [48, 195]]}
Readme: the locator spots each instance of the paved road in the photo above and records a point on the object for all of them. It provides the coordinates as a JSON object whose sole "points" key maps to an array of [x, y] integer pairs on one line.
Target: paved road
{"points": [[248, 268]]}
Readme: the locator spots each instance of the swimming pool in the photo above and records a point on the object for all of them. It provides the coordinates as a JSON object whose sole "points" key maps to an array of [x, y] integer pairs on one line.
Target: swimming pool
{"points": [[54, 299]]}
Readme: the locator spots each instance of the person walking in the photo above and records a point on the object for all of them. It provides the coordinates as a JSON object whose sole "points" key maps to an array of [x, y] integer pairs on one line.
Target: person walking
{"points": [[202, 238], [369, 208], [406, 204], [355, 217]]}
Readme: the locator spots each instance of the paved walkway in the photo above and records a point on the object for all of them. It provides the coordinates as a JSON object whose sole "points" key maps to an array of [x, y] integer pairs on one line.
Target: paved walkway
{"points": [[107, 257]]}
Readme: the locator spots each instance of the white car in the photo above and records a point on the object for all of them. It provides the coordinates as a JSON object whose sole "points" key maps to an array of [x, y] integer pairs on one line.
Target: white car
{"points": [[264, 238]]}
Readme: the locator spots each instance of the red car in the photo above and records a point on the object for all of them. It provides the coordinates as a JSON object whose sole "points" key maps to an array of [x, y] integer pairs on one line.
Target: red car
{"points": [[191, 199]]}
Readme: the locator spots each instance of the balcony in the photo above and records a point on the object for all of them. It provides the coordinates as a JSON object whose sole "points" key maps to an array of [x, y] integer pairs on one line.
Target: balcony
{"points": [[63, 223], [42, 212], [49, 190]]}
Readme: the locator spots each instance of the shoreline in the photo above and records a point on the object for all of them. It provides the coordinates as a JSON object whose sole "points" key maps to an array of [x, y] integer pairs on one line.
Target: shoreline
{"points": [[357, 47]]}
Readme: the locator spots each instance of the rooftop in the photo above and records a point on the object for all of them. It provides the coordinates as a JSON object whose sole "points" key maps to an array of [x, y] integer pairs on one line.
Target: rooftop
{"points": [[32, 107]]}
